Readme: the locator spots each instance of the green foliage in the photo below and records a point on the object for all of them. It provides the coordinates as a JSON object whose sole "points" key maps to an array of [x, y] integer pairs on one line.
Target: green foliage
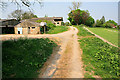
{"points": [[90, 21], [113, 22], [100, 55], [83, 32], [98, 23], [102, 23], [108, 25], [23, 58], [50, 25], [102, 20], [104, 57], [28, 15], [62, 23], [67, 24], [77, 17], [57, 29]]}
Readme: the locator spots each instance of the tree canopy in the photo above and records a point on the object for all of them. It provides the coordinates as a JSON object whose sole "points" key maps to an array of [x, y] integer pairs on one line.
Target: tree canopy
{"points": [[77, 17]]}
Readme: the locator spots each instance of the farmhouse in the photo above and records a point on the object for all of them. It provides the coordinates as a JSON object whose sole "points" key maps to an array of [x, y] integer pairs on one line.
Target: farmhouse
{"points": [[55, 20]]}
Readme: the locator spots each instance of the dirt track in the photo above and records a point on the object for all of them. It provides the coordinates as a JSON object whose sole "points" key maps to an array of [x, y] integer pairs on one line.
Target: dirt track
{"points": [[66, 61]]}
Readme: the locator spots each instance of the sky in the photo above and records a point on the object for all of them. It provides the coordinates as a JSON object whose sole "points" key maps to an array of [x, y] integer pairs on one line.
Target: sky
{"points": [[60, 8]]}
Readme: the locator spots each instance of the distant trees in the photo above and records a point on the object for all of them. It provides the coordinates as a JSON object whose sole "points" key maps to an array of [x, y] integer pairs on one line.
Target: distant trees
{"points": [[28, 15], [103, 23], [20, 15], [17, 14], [77, 17]]}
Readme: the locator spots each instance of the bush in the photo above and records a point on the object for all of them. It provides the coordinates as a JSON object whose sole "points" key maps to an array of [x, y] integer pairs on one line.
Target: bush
{"points": [[98, 23], [108, 25], [50, 25], [67, 24], [62, 23], [113, 22]]}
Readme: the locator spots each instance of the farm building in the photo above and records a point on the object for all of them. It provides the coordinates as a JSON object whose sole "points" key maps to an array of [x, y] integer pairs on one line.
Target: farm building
{"points": [[27, 27], [7, 26], [55, 20]]}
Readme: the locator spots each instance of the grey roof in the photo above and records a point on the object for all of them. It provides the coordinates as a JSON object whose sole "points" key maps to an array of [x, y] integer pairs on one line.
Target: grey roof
{"points": [[1, 20]]}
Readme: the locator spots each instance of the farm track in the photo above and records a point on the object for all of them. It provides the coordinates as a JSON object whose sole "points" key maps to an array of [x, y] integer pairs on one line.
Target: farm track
{"points": [[66, 60]]}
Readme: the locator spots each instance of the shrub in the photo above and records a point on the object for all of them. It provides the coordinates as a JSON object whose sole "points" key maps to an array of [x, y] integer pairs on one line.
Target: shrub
{"points": [[62, 23], [50, 25], [113, 22], [98, 23], [67, 23], [108, 25]]}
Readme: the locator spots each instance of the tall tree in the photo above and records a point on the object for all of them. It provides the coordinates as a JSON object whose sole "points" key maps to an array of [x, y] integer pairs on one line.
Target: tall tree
{"points": [[17, 14], [75, 5], [102, 20]]}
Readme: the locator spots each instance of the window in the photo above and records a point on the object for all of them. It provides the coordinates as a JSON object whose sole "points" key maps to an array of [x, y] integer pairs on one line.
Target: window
{"points": [[57, 22], [33, 27]]}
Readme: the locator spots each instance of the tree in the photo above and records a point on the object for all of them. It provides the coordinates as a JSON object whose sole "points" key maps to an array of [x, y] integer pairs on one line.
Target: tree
{"points": [[113, 22], [98, 23], [85, 16], [80, 17], [102, 20], [17, 14], [75, 5], [28, 15], [90, 21], [77, 16]]}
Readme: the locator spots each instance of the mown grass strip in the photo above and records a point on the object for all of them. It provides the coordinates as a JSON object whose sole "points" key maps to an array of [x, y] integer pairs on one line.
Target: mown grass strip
{"points": [[22, 58], [109, 34], [99, 57], [57, 29]]}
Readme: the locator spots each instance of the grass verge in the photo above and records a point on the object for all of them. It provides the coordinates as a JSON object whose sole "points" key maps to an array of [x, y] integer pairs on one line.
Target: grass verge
{"points": [[99, 58], [57, 29], [109, 34], [23, 58]]}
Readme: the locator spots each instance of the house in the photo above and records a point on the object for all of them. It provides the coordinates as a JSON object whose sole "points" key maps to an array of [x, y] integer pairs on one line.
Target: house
{"points": [[7, 26], [55, 20], [27, 27]]}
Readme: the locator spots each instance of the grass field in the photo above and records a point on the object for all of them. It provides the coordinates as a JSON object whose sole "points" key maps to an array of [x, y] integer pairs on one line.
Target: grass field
{"points": [[109, 34], [99, 58], [23, 58], [57, 29]]}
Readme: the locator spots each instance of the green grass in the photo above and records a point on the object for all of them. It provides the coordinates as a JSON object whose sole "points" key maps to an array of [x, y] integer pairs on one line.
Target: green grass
{"points": [[57, 29], [107, 33], [99, 56], [22, 58], [83, 32]]}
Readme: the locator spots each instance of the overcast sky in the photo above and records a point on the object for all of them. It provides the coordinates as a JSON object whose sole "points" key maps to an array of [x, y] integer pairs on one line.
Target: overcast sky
{"points": [[97, 9]]}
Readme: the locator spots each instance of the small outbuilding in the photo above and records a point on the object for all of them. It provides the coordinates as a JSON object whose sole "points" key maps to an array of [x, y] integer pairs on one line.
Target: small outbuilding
{"points": [[27, 27]]}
